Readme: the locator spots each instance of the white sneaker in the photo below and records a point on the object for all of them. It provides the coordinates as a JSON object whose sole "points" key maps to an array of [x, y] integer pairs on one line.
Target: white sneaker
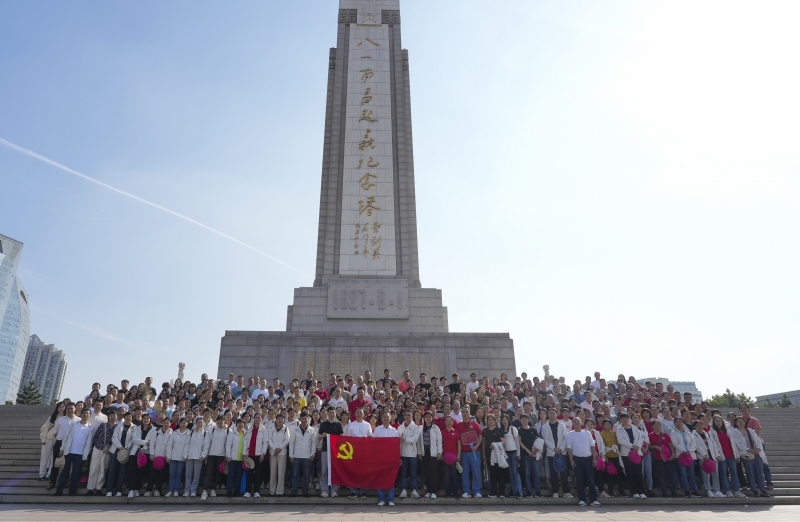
{"points": [[596, 504], [193, 495], [119, 494], [739, 494], [478, 495], [256, 495], [582, 503], [414, 493], [381, 503], [130, 494], [403, 494], [135, 492], [109, 494], [186, 494], [635, 495], [391, 504], [169, 494], [213, 492], [729, 494], [555, 495], [334, 494], [568, 495], [710, 494], [433, 495], [148, 493], [427, 495], [246, 495], [204, 496], [466, 495], [719, 494], [643, 496], [324, 495], [157, 493]]}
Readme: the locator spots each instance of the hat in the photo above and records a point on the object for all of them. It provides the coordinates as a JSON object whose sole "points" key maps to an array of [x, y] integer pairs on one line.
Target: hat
{"points": [[685, 459], [601, 464], [611, 469], [248, 463], [123, 455], [59, 462], [666, 454], [560, 463], [449, 458], [709, 466], [141, 459], [634, 457], [223, 467], [159, 463]]}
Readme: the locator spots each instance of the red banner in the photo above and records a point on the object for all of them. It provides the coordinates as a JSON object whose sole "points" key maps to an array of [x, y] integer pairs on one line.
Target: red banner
{"points": [[363, 462]]}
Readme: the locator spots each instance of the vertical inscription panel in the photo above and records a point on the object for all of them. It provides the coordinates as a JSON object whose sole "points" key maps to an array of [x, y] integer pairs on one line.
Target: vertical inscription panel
{"points": [[368, 299]]}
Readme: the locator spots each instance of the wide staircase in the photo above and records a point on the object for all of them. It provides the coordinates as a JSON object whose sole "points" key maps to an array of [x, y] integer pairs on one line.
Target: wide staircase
{"points": [[20, 450]]}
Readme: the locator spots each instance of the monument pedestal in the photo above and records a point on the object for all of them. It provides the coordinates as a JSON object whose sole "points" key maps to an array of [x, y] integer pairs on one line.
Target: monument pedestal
{"points": [[289, 355]]}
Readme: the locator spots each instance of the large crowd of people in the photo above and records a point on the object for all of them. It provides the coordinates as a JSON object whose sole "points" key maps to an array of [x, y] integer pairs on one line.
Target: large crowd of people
{"points": [[469, 438]]}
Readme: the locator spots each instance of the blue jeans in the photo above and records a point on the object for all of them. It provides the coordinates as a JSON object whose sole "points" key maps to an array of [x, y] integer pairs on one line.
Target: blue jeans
{"points": [[686, 476], [755, 474], [73, 463], [176, 470], [647, 469], [725, 467], [530, 470], [386, 495], [471, 463], [584, 476], [408, 462], [116, 475], [234, 484], [301, 466], [513, 472]]}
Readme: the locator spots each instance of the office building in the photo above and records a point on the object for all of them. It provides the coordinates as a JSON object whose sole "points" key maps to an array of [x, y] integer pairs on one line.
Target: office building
{"points": [[46, 366], [15, 322]]}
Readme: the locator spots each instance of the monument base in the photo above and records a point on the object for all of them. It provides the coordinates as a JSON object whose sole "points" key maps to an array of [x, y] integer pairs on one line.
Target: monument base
{"points": [[289, 355]]}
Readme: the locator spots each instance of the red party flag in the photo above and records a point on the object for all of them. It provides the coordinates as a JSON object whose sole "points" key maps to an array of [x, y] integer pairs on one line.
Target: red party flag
{"points": [[363, 462]]}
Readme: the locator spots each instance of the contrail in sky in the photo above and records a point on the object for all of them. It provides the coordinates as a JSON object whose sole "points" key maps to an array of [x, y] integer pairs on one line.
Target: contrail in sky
{"points": [[47, 160]]}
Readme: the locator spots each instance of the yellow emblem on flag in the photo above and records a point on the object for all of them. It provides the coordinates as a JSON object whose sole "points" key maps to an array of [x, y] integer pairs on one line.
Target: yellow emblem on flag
{"points": [[346, 451]]}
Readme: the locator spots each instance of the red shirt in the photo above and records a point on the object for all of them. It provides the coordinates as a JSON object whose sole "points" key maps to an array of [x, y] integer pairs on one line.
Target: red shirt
{"points": [[253, 438], [355, 404], [725, 442], [463, 427], [322, 394], [654, 441], [450, 441]]}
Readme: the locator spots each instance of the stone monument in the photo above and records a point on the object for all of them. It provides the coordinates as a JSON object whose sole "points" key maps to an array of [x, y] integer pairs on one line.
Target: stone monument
{"points": [[367, 309]]}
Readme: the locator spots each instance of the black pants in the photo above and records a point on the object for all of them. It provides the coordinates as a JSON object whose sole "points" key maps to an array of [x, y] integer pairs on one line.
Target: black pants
{"points": [[633, 474], [212, 471], [54, 470], [256, 475], [497, 480], [615, 480], [663, 472], [430, 471], [157, 478]]}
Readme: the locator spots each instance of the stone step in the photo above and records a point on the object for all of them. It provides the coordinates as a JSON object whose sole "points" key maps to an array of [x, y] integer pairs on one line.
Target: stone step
{"points": [[20, 475]]}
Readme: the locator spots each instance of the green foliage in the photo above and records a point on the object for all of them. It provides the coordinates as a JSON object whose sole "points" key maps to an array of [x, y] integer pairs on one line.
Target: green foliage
{"points": [[730, 400], [9, 403], [29, 395]]}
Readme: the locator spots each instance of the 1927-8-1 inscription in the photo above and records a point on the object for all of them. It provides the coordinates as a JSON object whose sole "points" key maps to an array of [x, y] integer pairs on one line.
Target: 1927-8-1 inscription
{"points": [[368, 299]]}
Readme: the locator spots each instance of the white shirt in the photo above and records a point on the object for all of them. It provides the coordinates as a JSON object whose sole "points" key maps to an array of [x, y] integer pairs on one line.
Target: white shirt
{"points": [[382, 432], [457, 416], [580, 442], [81, 433], [358, 429], [258, 393], [337, 402], [96, 419], [472, 386], [510, 439], [63, 424]]}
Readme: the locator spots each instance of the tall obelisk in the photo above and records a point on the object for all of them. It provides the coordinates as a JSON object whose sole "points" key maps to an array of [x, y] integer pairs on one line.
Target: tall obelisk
{"points": [[367, 309]]}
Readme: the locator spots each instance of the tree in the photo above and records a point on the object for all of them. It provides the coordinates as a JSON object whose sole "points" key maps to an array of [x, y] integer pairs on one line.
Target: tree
{"points": [[785, 402], [29, 395], [730, 400]]}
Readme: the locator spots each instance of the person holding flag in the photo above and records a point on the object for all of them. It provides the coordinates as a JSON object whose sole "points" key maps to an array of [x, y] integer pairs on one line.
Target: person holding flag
{"points": [[359, 428], [386, 430]]}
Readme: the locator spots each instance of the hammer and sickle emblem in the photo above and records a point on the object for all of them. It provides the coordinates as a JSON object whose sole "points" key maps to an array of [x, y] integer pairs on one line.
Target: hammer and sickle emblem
{"points": [[346, 451]]}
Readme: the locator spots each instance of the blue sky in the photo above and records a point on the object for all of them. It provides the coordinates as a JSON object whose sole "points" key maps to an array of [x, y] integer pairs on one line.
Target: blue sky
{"points": [[615, 184]]}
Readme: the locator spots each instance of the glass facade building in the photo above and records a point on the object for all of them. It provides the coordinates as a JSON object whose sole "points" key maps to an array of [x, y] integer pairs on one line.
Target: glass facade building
{"points": [[46, 366], [15, 323]]}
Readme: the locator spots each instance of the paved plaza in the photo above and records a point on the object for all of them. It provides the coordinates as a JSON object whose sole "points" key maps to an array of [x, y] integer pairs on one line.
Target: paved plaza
{"points": [[87, 513]]}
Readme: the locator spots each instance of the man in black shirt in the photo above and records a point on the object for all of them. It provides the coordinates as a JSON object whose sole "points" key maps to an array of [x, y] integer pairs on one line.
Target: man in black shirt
{"points": [[423, 382], [387, 377], [455, 386], [530, 466], [333, 427]]}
